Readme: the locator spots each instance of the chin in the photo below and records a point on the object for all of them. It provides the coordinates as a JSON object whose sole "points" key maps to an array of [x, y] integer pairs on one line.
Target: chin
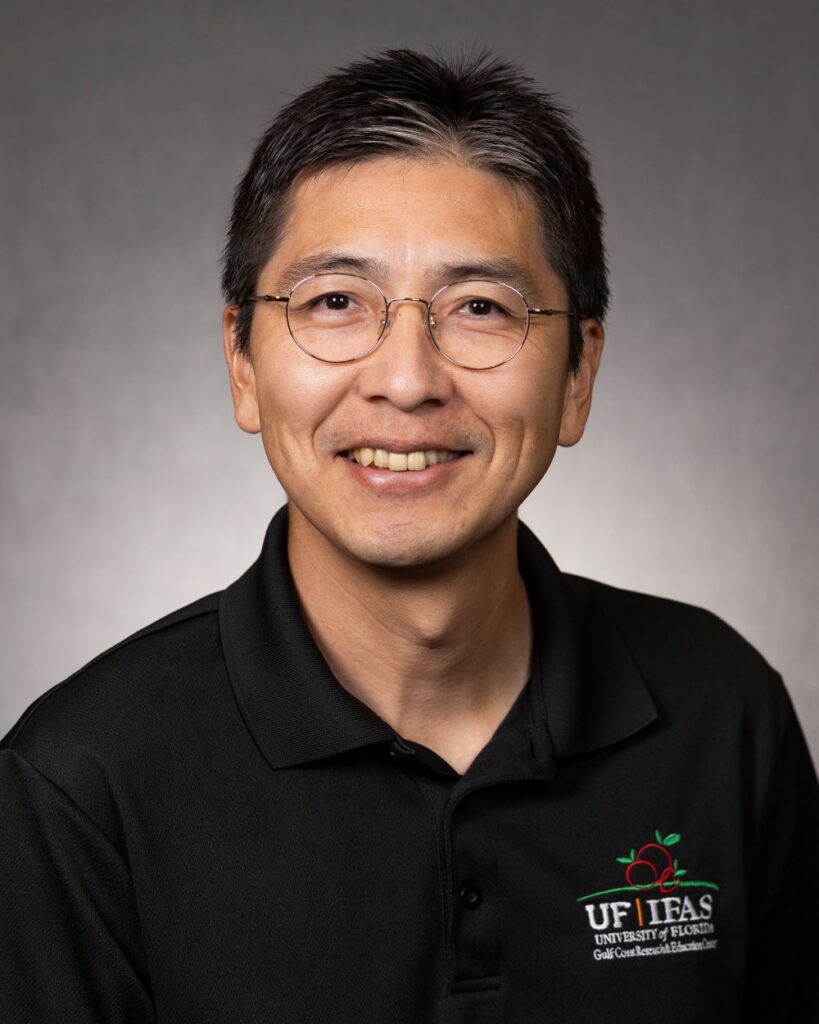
{"points": [[402, 545], [400, 538]]}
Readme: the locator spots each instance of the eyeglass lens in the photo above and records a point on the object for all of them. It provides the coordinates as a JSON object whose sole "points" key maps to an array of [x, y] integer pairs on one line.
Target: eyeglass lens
{"points": [[338, 317]]}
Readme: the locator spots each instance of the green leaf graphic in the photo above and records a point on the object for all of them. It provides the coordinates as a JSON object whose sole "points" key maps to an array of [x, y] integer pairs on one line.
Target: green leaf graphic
{"points": [[680, 872], [658, 835], [632, 854], [624, 860], [676, 863], [671, 838]]}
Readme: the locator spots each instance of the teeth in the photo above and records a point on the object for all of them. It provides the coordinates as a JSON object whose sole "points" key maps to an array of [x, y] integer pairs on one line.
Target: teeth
{"points": [[399, 462]]}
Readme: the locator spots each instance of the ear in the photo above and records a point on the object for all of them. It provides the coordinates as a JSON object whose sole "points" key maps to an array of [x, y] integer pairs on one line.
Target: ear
{"points": [[242, 375], [579, 385]]}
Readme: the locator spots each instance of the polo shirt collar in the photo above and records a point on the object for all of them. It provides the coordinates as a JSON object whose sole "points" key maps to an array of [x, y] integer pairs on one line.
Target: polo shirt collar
{"points": [[586, 693], [591, 692]]}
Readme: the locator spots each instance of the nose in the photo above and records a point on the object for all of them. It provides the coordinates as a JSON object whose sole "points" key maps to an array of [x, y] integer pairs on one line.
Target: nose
{"points": [[406, 369]]}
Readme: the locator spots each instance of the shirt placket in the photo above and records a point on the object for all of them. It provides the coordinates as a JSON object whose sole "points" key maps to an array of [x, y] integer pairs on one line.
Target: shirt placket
{"points": [[475, 938], [473, 916]]}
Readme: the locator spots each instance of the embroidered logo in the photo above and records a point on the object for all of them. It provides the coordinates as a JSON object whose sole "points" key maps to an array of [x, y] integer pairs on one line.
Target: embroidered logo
{"points": [[653, 922]]}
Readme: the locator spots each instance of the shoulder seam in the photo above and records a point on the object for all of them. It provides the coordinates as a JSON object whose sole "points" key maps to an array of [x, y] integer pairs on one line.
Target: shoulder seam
{"points": [[70, 799], [609, 592], [154, 627], [614, 599], [603, 586]]}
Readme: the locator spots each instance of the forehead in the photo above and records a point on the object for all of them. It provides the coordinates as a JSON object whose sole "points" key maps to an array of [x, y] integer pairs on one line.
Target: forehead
{"points": [[409, 212]]}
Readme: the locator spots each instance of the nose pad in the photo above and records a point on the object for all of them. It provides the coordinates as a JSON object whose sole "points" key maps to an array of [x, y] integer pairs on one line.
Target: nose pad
{"points": [[388, 319]]}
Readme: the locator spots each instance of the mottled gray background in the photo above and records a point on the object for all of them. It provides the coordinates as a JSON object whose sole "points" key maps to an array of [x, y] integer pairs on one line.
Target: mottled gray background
{"points": [[126, 488]]}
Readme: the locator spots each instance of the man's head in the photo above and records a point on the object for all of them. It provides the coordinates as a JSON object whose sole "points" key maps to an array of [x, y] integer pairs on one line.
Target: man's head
{"points": [[414, 175], [485, 113]]}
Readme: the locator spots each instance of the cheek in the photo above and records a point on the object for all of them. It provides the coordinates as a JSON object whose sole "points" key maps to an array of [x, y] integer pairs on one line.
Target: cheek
{"points": [[296, 396], [525, 421]]}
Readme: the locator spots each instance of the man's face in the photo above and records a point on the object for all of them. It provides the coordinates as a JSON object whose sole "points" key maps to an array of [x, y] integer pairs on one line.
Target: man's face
{"points": [[410, 220]]}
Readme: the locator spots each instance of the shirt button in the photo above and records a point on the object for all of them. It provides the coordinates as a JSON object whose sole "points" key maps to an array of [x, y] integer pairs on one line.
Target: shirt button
{"points": [[470, 895]]}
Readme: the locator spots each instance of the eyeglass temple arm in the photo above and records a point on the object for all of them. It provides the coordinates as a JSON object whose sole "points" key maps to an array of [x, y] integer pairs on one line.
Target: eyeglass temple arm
{"points": [[553, 312], [267, 298]]}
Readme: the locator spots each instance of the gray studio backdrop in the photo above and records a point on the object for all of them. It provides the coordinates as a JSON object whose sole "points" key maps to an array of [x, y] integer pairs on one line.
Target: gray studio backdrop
{"points": [[127, 490]]}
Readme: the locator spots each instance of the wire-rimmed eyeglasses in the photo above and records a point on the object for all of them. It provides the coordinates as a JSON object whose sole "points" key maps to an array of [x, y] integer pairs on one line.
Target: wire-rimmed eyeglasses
{"points": [[339, 318]]}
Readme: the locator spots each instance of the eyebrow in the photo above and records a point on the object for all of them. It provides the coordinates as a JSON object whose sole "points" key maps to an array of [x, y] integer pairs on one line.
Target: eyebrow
{"points": [[331, 262], [503, 269]]}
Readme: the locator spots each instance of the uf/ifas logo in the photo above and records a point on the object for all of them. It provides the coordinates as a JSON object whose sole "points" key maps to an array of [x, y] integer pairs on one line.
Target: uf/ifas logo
{"points": [[654, 922]]}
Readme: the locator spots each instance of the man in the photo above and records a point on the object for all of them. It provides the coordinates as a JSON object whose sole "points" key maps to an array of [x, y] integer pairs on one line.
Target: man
{"points": [[404, 769]]}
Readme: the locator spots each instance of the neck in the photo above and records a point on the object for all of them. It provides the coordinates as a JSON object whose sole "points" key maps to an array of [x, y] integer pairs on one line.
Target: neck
{"points": [[439, 653]]}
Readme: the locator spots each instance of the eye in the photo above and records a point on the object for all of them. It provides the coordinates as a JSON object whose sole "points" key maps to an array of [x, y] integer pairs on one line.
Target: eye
{"points": [[482, 307], [333, 308], [333, 301]]}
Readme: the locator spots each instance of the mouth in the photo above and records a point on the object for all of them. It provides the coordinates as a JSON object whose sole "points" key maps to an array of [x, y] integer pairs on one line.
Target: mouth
{"points": [[401, 461]]}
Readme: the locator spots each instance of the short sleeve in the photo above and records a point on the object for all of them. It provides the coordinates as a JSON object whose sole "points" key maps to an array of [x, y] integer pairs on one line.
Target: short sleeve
{"points": [[782, 985], [70, 945]]}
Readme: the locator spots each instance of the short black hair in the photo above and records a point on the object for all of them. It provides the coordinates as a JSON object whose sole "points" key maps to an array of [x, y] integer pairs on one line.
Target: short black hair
{"points": [[478, 109]]}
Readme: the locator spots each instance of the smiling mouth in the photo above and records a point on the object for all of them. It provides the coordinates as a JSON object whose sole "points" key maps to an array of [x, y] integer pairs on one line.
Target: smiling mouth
{"points": [[398, 462]]}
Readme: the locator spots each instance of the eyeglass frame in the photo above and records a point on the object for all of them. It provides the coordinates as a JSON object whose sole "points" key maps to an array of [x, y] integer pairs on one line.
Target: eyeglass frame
{"points": [[530, 310]]}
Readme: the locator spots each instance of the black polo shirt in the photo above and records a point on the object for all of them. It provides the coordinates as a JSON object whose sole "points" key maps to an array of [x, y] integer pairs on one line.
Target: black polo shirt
{"points": [[202, 826]]}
